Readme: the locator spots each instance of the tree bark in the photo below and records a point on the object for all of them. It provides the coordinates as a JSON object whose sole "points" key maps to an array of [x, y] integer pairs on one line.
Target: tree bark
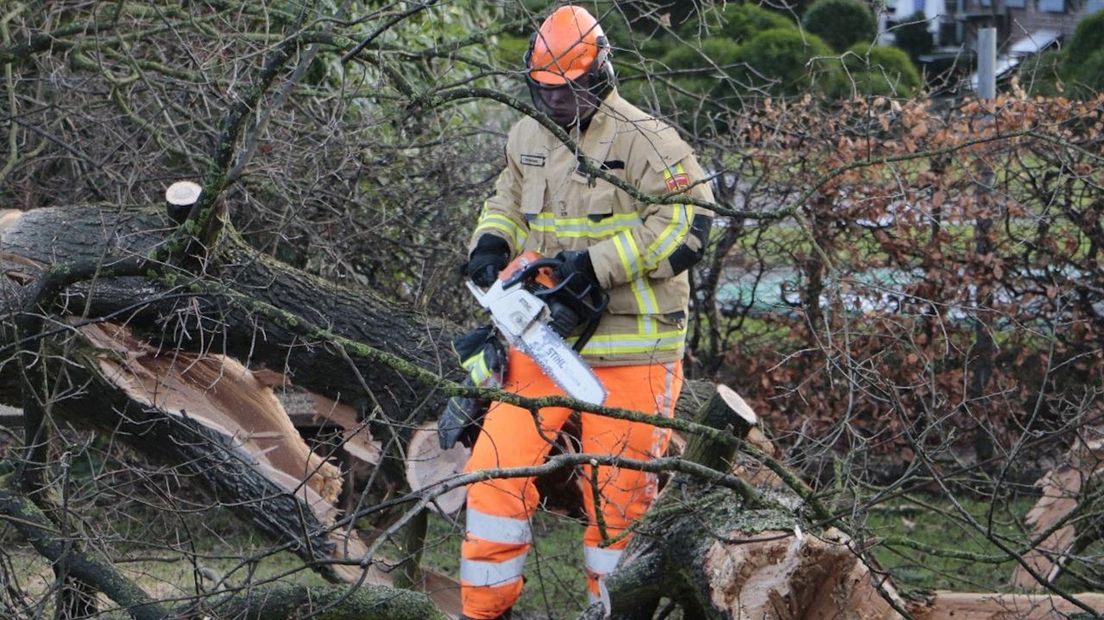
{"points": [[169, 311]]}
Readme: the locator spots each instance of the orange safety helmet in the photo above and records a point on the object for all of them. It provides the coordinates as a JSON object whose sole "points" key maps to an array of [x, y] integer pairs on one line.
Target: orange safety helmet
{"points": [[570, 44]]}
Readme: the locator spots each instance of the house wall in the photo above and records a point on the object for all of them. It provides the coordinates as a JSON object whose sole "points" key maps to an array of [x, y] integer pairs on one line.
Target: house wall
{"points": [[1042, 15], [1014, 18]]}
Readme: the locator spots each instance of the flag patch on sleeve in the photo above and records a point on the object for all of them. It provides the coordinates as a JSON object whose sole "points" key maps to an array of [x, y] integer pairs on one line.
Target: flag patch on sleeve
{"points": [[676, 179]]}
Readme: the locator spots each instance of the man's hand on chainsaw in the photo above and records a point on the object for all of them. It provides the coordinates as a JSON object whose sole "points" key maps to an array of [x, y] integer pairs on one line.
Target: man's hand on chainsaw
{"points": [[490, 256], [571, 308], [576, 271]]}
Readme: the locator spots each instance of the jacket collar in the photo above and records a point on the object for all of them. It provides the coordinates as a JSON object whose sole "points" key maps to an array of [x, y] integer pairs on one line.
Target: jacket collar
{"points": [[598, 137]]}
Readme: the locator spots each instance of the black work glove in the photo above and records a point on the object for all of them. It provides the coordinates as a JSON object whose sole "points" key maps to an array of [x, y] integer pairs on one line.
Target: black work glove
{"points": [[578, 292], [490, 256], [577, 270], [480, 353]]}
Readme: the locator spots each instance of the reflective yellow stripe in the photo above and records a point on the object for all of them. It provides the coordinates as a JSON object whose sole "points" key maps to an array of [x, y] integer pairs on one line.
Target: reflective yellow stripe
{"points": [[672, 237], [645, 297], [613, 344], [584, 227], [676, 230], [477, 368], [497, 221], [620, 243], [642, 290]]}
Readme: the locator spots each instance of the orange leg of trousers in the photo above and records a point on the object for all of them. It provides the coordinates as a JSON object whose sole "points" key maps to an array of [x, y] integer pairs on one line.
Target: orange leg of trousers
{"points": [[498, 536]]}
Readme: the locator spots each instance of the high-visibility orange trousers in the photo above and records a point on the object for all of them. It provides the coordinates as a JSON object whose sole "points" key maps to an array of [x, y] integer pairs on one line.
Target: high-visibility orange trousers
{"points": [[498, 533]]}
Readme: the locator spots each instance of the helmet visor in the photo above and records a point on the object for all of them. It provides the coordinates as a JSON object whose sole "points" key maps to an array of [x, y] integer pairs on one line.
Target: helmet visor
{"points": [[568, 103]]}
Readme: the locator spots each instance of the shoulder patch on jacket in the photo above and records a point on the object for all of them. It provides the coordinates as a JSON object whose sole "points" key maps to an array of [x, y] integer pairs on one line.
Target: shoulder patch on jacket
{"points": [[676, 179]]}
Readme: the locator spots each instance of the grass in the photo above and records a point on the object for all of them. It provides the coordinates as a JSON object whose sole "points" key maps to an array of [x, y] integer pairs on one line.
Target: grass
{"points": [[555, 584], [925, 545], [209, 547], [923, 542]]}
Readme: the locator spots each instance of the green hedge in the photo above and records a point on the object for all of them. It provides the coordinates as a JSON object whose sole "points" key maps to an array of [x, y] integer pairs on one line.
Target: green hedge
{"points": [[737, 22], [912, 36], [1083, 65], [841, 23], [784, 61], [880, 70]]}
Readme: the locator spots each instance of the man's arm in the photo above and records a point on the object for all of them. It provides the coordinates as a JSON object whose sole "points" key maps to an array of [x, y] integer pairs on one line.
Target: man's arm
{"points": [[671, 237], [501, 216], [501, 231]]}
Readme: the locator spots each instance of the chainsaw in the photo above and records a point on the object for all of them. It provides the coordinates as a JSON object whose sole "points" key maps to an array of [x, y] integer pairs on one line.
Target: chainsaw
{"points": [[534, 313]]}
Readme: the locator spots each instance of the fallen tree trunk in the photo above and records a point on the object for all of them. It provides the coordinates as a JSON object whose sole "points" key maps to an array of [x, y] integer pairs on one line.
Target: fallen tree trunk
{"points": [[1065, 518], [762, 553], [197, 312], [171, 385]]}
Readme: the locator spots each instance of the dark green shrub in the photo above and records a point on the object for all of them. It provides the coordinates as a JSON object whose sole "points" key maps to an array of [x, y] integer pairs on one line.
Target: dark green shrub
{"points": [[1087, 39], [1083, 64], [737, 22], [702, 78], [1086, 79], [879, 70], [841, 23], [784, 61], [511, 51], [912, 36], [1040, 74]]}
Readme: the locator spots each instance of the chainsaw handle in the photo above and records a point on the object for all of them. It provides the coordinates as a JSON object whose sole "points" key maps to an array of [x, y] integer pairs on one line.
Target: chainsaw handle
{"points": [[530, 271]]}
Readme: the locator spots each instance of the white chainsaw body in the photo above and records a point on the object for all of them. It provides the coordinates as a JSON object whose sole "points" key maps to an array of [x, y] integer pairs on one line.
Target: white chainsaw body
{"points": [[522, 318]]}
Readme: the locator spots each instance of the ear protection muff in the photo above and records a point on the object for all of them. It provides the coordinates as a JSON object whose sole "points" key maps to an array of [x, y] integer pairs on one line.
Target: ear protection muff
{"points": [[601, 71]]}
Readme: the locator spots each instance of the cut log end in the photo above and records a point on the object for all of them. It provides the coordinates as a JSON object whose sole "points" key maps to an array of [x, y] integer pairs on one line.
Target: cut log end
{"points": [[737, 405], [428, 465], [724, 410]]}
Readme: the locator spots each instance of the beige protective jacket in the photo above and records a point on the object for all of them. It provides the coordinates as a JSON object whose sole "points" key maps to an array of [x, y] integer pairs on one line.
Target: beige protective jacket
{"points": [[543, 202]]}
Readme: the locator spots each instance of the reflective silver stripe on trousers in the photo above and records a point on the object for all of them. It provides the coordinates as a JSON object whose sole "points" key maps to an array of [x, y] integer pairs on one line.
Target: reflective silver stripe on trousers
{"points": [[601, 561], [498, 529], [479, 573]]}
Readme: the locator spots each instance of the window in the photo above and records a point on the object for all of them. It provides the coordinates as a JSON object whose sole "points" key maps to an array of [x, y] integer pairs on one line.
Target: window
{"points": [[1015, 4], [1052, 6], [1093, 6]]}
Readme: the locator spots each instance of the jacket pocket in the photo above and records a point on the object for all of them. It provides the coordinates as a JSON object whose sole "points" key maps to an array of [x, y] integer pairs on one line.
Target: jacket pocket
{"points": [[605, 199], [533, 196]]}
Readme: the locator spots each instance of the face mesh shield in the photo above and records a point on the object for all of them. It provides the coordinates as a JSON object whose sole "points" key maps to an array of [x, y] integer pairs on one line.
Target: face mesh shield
{"points": [[568, 104]]}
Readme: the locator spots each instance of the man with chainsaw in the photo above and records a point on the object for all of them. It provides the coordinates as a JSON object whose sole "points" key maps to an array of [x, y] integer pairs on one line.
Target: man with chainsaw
{"points": [[609, 245]]}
